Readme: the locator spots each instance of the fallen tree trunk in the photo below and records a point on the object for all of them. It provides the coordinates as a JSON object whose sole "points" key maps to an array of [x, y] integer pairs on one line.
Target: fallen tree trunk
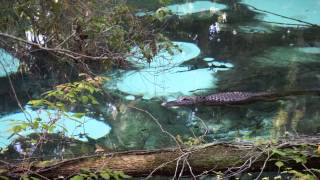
{"points": [[230, 158]]}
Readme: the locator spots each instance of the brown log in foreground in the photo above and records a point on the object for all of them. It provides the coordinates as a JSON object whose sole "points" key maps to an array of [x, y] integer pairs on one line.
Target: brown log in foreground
{"points": [[208, 157]]}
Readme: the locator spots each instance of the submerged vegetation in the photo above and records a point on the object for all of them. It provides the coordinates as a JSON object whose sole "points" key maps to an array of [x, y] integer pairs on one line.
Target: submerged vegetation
{"points": [[83, 83]]}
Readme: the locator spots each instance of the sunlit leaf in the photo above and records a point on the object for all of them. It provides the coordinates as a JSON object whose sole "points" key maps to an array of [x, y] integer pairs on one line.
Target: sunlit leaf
{"points": [[105, 175], [36, 103], [84, 99], [78, 115], [279, 164], [78, 177]]}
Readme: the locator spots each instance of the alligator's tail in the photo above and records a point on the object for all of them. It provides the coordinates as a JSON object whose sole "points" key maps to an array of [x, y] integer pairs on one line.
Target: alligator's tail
{"points": [[276, 95]]}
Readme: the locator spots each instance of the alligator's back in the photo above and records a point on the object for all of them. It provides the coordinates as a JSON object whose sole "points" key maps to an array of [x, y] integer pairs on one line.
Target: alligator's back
{"points": [[236, 97], [229, 98]]}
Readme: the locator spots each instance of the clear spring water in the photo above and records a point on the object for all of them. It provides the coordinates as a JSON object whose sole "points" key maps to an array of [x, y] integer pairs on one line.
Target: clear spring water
{"points": [[254, 50]]}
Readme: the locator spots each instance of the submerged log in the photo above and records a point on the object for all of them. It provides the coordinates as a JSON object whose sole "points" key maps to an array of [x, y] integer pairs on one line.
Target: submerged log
{"points": [[230, 158]]}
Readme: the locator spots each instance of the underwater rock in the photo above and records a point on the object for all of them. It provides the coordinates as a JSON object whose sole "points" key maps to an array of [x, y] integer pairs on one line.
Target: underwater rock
{"points": [[307, 10], [76, 127], [195, 7], [8, 63]]}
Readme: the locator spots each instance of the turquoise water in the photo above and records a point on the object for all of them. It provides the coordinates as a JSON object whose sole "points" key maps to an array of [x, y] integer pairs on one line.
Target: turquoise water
{"points": [[254, 50], [8, 63]]}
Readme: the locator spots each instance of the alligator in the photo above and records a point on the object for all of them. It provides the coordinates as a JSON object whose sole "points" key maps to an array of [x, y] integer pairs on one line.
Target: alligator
{"points": [[235, 98]]}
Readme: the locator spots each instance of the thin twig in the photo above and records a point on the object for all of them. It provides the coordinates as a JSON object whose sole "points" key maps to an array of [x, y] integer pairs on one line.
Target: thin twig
{"points": [[264, 164]]}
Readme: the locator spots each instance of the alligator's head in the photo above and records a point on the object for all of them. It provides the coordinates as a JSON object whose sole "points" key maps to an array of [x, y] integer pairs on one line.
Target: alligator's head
{"points": [[182, 101]]}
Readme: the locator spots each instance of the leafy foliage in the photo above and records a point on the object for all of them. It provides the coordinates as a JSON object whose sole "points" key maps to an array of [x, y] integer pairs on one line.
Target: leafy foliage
{"points": [[190, 141], [77, 93], [61, 98], [104, 174], [299, 156], [92, 35]]}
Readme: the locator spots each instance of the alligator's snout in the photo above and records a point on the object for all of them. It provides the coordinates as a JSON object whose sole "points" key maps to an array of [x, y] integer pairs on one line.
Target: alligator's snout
{"points": [[182, 101], [170, 104]]}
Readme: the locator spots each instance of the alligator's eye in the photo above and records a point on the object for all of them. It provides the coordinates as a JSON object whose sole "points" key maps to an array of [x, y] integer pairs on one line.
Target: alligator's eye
{"points": [[184, 99]]}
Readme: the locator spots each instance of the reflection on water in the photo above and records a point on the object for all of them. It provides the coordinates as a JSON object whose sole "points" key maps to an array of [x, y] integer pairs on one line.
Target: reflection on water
{"points": [[195, 7], [250, 55]]}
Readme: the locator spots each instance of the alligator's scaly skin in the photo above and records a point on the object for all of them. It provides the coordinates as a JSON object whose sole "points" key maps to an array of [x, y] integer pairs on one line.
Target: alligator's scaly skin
{"points": [[227, 98], [234, 98]]}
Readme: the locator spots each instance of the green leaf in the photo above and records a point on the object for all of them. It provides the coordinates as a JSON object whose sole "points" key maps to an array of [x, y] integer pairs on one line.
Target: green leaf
{"points": [[84, 99], [4, 178], [35, 125], [51, 128], [20, 127], [16, 129], [124, 176], [93, 100], [78, 177], [105, 175], [279, 164], [281, 153], [300, 159], [91, 89], [36, 103], [25, 177], [93, 175], [60, 105], [78, 115]]}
